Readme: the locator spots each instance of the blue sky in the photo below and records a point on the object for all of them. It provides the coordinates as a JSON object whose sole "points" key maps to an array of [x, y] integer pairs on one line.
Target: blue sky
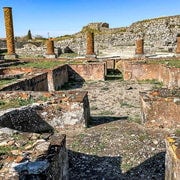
{"points": [[59, 17]]}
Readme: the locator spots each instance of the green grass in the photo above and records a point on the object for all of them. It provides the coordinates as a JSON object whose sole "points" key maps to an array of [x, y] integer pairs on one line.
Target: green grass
{"points": [[155, 82], [18, 102], [136, 119], [177, 132], [105, 113], [68, 55], [42, 64], [6, 81], [171, 63]]}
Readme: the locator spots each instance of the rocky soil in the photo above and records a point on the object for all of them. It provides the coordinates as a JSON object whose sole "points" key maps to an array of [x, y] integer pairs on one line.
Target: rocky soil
{"points": [[116, 145]]}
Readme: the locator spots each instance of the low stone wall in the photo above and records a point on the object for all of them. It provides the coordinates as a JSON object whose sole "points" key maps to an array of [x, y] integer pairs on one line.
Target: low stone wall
{"points": [[94, 71], [40, 156], [160, 108], [57, 77], [140, 70], [172, 158], [49, 110], [110, 63], [37, 82]]}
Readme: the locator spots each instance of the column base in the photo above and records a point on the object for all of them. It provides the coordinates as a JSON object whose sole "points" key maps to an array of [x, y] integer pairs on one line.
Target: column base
{"points": [[91, 56], [50, 56], [139, 55], [10, 56]]}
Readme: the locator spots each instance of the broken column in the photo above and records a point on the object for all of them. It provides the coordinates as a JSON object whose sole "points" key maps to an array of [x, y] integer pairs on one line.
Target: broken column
{"points": [[90, 44], [50, 49], [139, 47], [178, 46], [9, 33], [172, 162]]}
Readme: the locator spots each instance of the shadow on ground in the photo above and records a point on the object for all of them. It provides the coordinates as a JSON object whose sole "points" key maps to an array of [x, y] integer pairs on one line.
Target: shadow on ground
{"points": [[92, 167], [97, 120], [72, 85]]}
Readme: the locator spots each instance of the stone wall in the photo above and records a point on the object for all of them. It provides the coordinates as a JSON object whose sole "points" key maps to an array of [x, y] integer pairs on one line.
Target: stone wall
{"points": [[36, 82], [94, 71], [47, 110], [33, 49], [160, 108], [172, 158], [47, 156], [57, 77], [141, 70], [159, 35]]}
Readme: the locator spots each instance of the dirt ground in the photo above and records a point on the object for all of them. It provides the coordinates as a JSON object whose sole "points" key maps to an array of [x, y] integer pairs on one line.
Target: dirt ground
{"points": [[116, 145]]}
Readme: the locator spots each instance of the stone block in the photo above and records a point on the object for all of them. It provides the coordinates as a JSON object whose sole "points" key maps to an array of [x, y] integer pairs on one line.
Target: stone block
{"points": [[172, 163], [160, 108]]}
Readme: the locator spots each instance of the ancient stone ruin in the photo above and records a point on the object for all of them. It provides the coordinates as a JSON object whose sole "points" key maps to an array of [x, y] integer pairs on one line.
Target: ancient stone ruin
{"points": [[37, 102]]}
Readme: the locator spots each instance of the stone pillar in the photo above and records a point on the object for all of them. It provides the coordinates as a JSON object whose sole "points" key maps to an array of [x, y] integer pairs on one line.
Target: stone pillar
{"points": [[172, 162], [90, 44], [50, 49], [139, 47], [178, 46], [9, 33]]}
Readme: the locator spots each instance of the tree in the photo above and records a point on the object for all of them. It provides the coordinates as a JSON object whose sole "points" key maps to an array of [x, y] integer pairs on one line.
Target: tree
{"points": [[29, 36]]}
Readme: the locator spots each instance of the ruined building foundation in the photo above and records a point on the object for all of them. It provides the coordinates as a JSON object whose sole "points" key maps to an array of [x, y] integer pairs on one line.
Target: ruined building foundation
{"points": [[9, 33]]}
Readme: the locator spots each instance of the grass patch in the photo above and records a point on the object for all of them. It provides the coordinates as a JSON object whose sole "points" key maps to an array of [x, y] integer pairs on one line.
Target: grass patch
{"points": [[5, 150], [126, 166], [171, 63], [4, 82], [42, 64], [135, 119], [155, 82], [18, 102], [105, 113], [68, 55], [125, 104], [143, 137], [177, 132]]}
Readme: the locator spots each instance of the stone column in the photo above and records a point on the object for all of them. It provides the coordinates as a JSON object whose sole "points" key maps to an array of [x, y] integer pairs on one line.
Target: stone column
{"points": [[178, 46], [90, 44], [139, 47], [172, 162], [9, 33], [50, 49]]}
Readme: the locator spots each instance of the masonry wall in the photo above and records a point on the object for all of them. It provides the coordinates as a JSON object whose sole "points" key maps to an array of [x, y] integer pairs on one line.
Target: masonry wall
{"points": [[53, 163], [88, 71], [38, 82], [170, 76], [159, 35], [172, 162], [57, 77], [33, 49], [59, 110], [158, 111]]}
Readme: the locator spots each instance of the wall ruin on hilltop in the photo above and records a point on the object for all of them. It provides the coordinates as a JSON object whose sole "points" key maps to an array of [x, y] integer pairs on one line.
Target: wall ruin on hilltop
{"points": [[159, 36]]}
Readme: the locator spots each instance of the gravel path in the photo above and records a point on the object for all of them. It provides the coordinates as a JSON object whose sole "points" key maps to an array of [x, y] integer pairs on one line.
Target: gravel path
{"points": [[116, 145]]}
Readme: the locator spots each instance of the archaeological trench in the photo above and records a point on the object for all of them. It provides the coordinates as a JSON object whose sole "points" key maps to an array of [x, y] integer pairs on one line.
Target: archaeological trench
{"points": [[34, 108]]}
